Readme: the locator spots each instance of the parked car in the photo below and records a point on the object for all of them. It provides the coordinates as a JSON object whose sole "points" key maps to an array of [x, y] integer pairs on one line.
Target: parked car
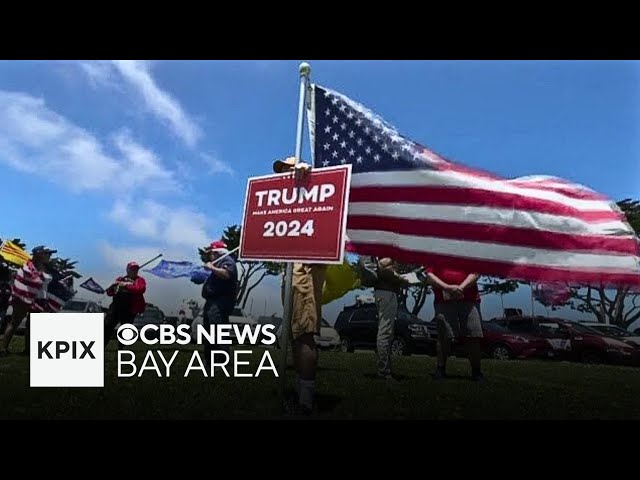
{"points": [[614, 331], [357, 326], [502, 344], [573, 341]]}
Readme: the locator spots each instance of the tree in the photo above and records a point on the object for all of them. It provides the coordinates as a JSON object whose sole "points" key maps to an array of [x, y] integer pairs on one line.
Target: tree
{"points": [[499, 286], [250, 273], [64, 267], [621, 306]]}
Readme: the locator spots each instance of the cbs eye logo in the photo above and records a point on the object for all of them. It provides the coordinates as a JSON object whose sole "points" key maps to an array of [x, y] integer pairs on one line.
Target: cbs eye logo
{"points": [[127, 334]]}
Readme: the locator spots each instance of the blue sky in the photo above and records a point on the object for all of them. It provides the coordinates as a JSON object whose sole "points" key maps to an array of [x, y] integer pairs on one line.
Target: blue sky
{"points": [[114, 161]]}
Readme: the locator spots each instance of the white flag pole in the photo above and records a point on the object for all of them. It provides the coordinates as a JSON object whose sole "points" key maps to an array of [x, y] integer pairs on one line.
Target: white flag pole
{"points": [[225, 255], [152, 260], [305, 71]]}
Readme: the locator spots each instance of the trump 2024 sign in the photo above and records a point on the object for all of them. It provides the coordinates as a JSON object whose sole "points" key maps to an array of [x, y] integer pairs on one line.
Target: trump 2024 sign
{"points": [[296, 221]]}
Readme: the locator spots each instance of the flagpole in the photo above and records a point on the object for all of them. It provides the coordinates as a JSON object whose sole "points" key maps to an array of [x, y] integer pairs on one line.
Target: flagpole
{"points": [[152, 260], [532, 311], [305, 71], [225, 255]]}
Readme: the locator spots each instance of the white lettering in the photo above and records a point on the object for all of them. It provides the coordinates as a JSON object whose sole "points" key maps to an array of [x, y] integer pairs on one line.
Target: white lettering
{"points": [[267, 333], [195, 356], [149, 358], [247, 330], [143, 336], [214, 364], [289, 196], [326, 190], [260, 196], [267, 356], [274, 197], [238, 362], [164, 360], [167, 335], [224, 334], [183, 334], [208, 334], [129, 362]]}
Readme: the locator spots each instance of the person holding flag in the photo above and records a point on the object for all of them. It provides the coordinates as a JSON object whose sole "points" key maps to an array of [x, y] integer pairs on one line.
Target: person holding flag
{"points": [[29, 286], [219, 290], [128, 300]]}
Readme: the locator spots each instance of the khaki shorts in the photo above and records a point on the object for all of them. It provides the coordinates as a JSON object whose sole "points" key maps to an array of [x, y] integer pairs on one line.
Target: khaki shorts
{"points": [[458, 319], [308, 281]]}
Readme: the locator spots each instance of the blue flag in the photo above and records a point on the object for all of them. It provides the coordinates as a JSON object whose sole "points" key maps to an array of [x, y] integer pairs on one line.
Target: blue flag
{"points": [[93, 286], [171, 269]]}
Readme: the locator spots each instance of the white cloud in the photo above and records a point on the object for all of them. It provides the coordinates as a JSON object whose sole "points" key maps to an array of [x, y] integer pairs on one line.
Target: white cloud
{"points": [[216, 165], [35, 139], [142, 166], [100, 73], [137, 76], [174, 227], [159, 102]]}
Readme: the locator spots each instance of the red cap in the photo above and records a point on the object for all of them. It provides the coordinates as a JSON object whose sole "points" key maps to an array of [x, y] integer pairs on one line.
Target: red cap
{"points": [[217, 245], [133, 265]]}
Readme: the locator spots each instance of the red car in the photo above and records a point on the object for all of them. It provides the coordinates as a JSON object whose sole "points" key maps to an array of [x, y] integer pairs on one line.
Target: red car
{"points": [[590, 346], [502, 344], [572, 341]]}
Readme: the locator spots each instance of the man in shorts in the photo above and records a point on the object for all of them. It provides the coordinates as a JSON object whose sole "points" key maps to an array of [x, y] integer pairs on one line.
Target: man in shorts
{"points": [[308, 281], [457, 301]]}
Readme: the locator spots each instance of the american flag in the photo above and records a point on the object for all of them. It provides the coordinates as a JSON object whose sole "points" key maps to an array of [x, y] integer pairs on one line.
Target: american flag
{"points": [[409, 203], [41, 292]]}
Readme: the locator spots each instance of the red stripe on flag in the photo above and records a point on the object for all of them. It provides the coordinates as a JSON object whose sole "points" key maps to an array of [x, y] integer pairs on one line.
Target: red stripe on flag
{"points": [[474, 197], [503, 269], [495, 234]]}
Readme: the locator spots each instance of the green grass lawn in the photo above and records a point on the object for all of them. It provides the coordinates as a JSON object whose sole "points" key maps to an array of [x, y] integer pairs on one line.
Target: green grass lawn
{"points": [[346, 387]]}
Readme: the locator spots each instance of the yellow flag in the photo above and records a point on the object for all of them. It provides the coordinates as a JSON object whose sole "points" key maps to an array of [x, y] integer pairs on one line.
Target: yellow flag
{"points": [[13, 253], [340, 280]]}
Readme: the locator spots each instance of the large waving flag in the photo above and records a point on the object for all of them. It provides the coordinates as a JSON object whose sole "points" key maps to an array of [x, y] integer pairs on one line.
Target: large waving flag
{"points": [[13, 253], [172, 269], [409, 203], [59, 292]]}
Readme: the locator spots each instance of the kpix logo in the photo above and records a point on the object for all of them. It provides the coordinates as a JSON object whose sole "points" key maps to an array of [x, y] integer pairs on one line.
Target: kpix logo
{"points": [[67, 349]]}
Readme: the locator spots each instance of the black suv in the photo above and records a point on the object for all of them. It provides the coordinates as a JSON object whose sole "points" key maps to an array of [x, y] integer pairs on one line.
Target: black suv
{"points": [[358, 328]]}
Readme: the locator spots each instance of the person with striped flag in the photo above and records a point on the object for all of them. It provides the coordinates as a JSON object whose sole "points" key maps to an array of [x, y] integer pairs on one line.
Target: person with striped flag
{"points": [[28, 293]]}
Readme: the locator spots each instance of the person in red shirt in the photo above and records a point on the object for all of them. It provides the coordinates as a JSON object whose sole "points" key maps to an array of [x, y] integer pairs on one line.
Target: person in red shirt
{"points": [[457, 307], [128, 300]]}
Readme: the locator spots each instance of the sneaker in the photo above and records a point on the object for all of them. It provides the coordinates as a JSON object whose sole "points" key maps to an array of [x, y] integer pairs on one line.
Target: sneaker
{"points": [[478, 377], [4, 353]]}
